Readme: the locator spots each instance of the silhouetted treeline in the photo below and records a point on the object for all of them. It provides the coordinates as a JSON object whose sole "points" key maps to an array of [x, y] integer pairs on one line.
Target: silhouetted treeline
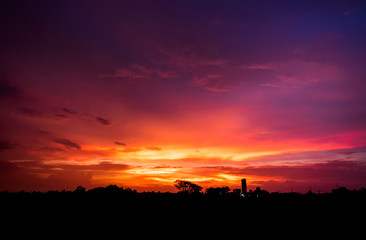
{"points": [[113, 194]]}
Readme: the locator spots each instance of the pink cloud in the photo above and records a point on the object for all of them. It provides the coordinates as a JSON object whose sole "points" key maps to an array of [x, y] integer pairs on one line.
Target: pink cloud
{"points": [[297, 73], [258, 67], [211, 82], [133, 71]]}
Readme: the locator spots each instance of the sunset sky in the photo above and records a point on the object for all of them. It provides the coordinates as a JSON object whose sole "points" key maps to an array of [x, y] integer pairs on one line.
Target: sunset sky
{"points": [[141, 93]]}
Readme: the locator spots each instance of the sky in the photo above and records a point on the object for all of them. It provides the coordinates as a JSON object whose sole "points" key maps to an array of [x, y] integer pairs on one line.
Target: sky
{"points": [[141, 93]]}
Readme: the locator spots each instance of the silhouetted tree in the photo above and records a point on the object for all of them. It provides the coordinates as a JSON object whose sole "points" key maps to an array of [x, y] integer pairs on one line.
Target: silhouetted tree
{"points": [[194, 188], [113, 189], [187, 186], [80, 189], [182, 185]]}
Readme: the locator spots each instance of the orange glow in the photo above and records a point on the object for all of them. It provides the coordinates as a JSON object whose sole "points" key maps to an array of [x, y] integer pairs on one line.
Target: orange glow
{"points": [[221, 97]]}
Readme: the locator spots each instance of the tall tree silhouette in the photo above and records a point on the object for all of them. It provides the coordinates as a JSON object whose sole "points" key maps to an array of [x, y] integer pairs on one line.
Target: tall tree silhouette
{"points": [[187, 186]]}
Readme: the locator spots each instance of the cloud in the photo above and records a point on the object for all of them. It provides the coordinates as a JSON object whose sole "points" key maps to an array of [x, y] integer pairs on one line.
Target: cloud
{"points": [[103, 121], [211, 82], [188, 54], [165, 74], [299, 73], [67, 143], [105, 165], [258, 67], [222, 78], [154, 148], [200, 60], [94, 168], [166, 166], [51, 149], [333, 171], [100, 120], [119, 143], [61, 116], [69, 111], [133, 71], [209, 70], [137, 71], [131, 149]]}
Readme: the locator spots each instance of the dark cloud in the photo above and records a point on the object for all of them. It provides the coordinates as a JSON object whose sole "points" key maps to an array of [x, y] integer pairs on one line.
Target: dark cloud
{"points": [[102, 166], [69, 111], [109, 166], [52, 149], [67, 143], [119, 143], [166, 166], [103, 121], [132, 72]]}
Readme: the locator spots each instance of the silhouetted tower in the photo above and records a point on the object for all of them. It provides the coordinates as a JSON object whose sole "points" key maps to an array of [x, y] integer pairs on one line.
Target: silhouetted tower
{"points": [[244, 187]]}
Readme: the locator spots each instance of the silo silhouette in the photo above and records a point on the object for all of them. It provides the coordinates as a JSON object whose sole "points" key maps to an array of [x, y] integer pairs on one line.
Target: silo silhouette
{"points": [[244, 187]]}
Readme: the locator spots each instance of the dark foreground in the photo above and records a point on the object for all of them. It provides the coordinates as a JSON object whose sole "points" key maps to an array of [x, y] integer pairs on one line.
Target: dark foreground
{"points": [[210, 214], [123, 198]]}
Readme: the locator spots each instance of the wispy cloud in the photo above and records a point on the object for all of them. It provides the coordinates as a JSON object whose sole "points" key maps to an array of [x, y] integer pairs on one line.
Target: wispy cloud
{"points": [[211, 82], [103, 121], [99, 119], [120, 143], [138, 71], [69, 111], [67, 143], [258, 67], [133, 71], [153, 148], [30, 112]]}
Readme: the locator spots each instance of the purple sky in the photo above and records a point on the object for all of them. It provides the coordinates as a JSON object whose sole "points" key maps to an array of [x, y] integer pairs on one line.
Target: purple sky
{"points": [[140, 93]]}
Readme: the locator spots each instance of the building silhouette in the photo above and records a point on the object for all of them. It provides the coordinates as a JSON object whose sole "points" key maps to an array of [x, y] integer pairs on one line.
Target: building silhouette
{"points": [[244, 187]]}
